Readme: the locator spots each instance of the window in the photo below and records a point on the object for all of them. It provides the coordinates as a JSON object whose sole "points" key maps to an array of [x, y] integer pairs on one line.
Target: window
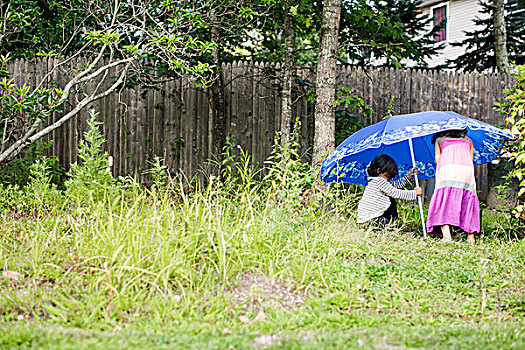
{"points": [[439, 14]]}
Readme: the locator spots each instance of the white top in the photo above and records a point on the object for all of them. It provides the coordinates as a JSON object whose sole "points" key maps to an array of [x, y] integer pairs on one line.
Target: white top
{"points": [[376, 198]]}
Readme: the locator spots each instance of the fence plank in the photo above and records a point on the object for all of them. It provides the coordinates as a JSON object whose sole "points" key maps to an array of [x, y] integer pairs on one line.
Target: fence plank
{"points": [[256, 152], [174, 122], [203, 132]]}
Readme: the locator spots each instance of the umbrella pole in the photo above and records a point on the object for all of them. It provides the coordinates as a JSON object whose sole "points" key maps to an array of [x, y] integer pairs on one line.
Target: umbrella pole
{"points": [[417, 185]]}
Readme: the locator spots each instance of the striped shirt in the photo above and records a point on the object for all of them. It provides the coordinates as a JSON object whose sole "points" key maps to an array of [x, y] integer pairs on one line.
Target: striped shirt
{"points": [[376, 198]]}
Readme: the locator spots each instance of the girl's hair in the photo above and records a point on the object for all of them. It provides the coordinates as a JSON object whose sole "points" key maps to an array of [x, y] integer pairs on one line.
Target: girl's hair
{"points": [[382, 164], [456, 134]]}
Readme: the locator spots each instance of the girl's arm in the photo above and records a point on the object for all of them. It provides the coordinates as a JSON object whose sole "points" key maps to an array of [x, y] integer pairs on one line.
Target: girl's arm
{"points": [[437, 150], [471, 149]]}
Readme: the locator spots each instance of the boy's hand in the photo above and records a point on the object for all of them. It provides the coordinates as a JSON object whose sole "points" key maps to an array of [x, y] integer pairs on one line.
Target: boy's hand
{"points": [[412, 172], [419, 191]]}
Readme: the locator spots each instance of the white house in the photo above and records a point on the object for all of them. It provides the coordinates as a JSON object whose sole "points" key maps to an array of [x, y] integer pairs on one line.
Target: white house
{"points": [[459, 16]]}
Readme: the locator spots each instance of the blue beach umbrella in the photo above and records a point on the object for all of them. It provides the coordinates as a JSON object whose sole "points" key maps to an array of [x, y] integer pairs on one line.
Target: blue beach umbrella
{"points": [[407, 139]]}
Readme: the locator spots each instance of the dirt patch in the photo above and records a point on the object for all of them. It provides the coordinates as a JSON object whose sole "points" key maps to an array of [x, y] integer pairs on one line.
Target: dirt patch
{"points": [[256, 292], [267, 340]]}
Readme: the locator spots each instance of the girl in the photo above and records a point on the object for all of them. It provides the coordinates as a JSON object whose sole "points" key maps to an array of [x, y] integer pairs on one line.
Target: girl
{"points": [[455, 201], [378, 203]]}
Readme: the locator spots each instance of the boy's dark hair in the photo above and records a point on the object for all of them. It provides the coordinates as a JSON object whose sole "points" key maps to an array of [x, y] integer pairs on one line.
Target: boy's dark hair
{"points": [[456, 134], [382, 164]]}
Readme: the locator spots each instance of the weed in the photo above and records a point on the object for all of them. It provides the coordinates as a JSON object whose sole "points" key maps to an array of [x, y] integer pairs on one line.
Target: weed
{"points": [[222, 265], [89, 181]]}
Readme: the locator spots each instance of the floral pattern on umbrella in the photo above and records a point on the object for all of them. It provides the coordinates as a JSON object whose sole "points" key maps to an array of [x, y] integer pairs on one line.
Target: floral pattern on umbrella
{"points": [[348, 162]]}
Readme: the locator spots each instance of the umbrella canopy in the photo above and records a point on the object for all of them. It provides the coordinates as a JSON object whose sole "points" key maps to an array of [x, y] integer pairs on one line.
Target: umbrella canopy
{"points": [[348, 162]]}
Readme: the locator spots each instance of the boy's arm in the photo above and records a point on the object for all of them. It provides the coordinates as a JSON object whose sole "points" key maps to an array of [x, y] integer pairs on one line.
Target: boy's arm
{"points": [[388, 189], [402, 182]]}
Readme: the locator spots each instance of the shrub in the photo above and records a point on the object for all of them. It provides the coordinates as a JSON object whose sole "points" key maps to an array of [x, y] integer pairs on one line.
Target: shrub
{"points": [[89, 181], [513, 108], [41, 194]]}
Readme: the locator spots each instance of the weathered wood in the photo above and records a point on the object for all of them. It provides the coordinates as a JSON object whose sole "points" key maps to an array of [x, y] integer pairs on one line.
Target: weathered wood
{"points": [[277, 96], [415, 83], [491, 116], [370, 80], [203, 133], [459, 96], [438, 91], [174, 123], [256, 152], [247, 106], [130, 132], [121, 135], [450, 89], [470, 92], [115, 134]]}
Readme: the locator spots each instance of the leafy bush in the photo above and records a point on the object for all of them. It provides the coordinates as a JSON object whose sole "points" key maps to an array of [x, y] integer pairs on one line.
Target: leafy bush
{"points": [[89, 181], [288, 176], [20, 108], [41, 194], [37, 196], [12, 198], [15, 171], [346, 122], [158, 175], [238, 173], [513, 108]]}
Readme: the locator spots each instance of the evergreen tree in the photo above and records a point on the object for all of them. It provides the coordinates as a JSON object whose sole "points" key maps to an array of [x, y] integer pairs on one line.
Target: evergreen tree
{"points": [[395, 29], [418, 38], [480, 44]]}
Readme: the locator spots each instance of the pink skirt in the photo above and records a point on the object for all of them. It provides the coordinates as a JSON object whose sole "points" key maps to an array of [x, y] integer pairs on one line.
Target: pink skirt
{"points": [[454, 201]]}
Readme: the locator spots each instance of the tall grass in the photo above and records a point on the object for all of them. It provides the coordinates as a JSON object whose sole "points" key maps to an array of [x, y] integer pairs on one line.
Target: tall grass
{"points": [[108, 254]]}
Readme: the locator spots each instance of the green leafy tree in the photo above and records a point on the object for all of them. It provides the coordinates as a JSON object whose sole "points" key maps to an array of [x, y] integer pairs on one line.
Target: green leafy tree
{"points": [[480, 44], [417, 40], [231, 27], [33, 27], [119, 42], [513, 108], [390, 32]]}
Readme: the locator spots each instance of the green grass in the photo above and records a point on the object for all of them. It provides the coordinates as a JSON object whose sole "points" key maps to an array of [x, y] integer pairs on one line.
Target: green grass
{"points": [[164, 272], [247, 262]]}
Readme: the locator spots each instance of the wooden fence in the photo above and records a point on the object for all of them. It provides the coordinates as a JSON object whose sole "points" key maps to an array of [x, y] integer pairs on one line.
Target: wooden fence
{"points": [[172, 121]]}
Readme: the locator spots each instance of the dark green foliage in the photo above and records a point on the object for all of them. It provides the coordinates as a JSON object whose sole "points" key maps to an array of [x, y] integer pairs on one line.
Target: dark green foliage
{"points": [[89, 180], [20, 106], [346, 122], [288, 175], [16, 172], [394, 30], [513, 108], [479, 44], [31, 27]]}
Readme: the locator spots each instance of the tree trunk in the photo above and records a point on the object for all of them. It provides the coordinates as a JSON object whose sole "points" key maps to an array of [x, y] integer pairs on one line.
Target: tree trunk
{"points": [[216, 97], [324, 137], [286, 101], [500, 36]]}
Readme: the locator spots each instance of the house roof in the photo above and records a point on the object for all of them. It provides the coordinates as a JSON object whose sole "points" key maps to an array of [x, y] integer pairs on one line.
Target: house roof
{"points": [[428, 3]]}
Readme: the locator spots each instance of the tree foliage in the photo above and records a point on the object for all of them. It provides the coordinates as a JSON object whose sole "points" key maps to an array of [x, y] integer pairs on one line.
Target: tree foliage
{"points": [[390, 32], [31, 27], [480, 44], [120, 42], [143, 42], [513, 108]]}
